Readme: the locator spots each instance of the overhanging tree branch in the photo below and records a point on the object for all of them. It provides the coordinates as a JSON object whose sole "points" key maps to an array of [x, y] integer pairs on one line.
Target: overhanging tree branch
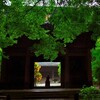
{"points": [[32, 7]]}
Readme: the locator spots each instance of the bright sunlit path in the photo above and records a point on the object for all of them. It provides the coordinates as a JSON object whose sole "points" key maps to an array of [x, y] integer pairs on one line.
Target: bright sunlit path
{"points": [[51, 84]]}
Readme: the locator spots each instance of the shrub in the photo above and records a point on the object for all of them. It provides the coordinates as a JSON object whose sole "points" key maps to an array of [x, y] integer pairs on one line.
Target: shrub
{"points": [[90, 93]]}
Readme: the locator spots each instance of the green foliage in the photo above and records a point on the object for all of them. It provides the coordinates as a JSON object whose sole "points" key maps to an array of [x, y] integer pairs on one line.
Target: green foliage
{"points": [[90, 93], [96, 61], [59, 69], [95, 25], [69, 22], [37, 74], [33, 19], [1, 53], [48, 47], [9, 26]]}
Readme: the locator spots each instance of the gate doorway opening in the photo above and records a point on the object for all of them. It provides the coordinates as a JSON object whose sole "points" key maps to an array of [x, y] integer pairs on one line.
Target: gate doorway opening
{"points": [[44, 69]]}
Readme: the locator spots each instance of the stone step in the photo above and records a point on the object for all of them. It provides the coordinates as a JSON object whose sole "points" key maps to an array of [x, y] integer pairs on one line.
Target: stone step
{"points": [[40, 94]]}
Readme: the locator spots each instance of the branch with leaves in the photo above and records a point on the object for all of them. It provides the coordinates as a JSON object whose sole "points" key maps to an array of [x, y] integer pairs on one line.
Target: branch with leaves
{"points": [[37, 74], [69, 21]]}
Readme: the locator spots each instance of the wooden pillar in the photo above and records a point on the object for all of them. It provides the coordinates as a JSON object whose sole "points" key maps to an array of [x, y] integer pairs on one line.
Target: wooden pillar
{"points": [[66, 71], [3, 74], [89, 68], [0, 61], [27, 71]]}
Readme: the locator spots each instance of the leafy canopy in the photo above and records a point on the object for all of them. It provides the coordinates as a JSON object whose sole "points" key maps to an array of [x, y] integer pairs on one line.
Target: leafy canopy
{"points": [[96, 61], [70, 19]]}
